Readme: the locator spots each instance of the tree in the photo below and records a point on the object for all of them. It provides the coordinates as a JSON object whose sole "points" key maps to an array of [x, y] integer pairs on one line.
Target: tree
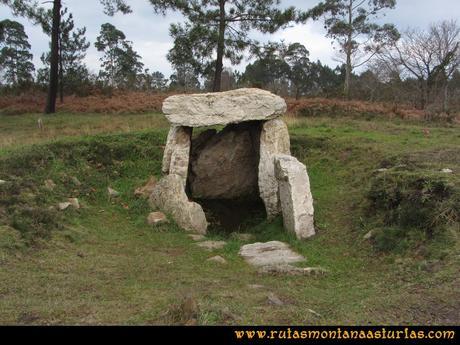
{"points": [[184, 78], [25, 8], [219, 28], [31, 10], [121, 64], [15, 57], [72, 51], [153, 81], [296, 57], [430, 56], [269, 70], [349, 23], [54, 59]]}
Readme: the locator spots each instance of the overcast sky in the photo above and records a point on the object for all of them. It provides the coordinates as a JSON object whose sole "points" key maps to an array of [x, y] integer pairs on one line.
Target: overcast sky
{"points": [[149, 32]]}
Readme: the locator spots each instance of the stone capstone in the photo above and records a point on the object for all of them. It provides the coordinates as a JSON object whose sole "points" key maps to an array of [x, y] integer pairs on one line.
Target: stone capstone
{"points": [[295, 196], [177, 152], [222, 108], [274, 139], [169, 196], [224, 165], [269, 254]]}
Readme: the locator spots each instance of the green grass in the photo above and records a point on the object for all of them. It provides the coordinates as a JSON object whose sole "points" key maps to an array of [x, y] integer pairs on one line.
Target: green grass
{"points": [[103, 264]]}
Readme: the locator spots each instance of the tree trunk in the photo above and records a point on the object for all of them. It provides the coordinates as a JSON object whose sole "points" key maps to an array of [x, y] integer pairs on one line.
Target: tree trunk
{"points": [[348, 50], [61, 75], [54, 61], [220, 49]]}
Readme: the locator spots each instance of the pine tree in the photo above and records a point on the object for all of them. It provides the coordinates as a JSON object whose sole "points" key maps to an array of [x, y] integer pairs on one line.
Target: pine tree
{"points": [[15, 58], [349, 23], [121, 65], [219, 28], [72, 51]]}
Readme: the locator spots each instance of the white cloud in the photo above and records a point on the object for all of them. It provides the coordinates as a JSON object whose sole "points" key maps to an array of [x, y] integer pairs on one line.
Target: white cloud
{"points": [[149, 32]]}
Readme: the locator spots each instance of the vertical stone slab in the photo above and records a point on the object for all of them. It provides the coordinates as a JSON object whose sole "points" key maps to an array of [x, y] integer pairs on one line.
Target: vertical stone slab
{"points": [[169, 196], [177, 151], [274, 139], [295, 196]]}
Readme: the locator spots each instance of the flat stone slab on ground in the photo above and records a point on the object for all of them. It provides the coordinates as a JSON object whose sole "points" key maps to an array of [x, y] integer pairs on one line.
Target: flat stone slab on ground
{"points": [[218, 259], [211, 245], [222, 108], [269, 254], [291, 270], [197, 237]]}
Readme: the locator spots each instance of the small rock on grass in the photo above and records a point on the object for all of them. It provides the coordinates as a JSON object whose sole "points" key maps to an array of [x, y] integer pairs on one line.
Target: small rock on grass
{"points": [[2, 182], [112, 192], [274, 300], [75, 181], [218, 259], [447, 171], [50, 185], [369, 235], [156, 218], [211, 245], [74, 203], [64, 205]]}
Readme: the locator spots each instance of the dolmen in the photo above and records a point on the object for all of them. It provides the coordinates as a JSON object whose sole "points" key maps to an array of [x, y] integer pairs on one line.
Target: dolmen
{"points": [[241, 148]]}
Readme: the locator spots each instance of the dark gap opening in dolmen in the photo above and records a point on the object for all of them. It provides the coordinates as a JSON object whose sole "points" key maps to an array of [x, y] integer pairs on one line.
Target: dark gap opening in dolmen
{"points": [[223, 175]]}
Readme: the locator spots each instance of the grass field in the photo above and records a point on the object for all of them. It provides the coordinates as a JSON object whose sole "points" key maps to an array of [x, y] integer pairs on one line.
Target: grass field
{"points": [[102, 264]]}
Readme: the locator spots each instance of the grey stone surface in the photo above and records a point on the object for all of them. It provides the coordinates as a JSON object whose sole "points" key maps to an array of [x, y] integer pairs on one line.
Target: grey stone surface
{"points": [[218, 259], [221, 108], [112, 192], [156, 218], [225, 165], [269, 254], [64, 205], [274, 139], [169, 196], [295, 196], [212, 245], [287, 269], [177, 152], [74, 203], [50, 185], [147, 189]]}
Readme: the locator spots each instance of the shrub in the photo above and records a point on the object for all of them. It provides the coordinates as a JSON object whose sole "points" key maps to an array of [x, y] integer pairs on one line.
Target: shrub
{"points": [[411, 204]]}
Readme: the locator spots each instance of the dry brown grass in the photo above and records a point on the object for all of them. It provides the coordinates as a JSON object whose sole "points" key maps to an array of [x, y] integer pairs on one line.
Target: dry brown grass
{"points": [[119, 103], [320, 106], [145, 102]]}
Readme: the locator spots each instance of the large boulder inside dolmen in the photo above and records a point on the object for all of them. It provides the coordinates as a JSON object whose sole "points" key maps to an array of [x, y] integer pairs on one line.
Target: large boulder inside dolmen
{"points": [[223, 165], [247, 160]]}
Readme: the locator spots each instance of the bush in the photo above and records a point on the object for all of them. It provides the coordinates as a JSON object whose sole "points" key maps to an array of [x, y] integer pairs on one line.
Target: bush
{"points": [[415, 204]]}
